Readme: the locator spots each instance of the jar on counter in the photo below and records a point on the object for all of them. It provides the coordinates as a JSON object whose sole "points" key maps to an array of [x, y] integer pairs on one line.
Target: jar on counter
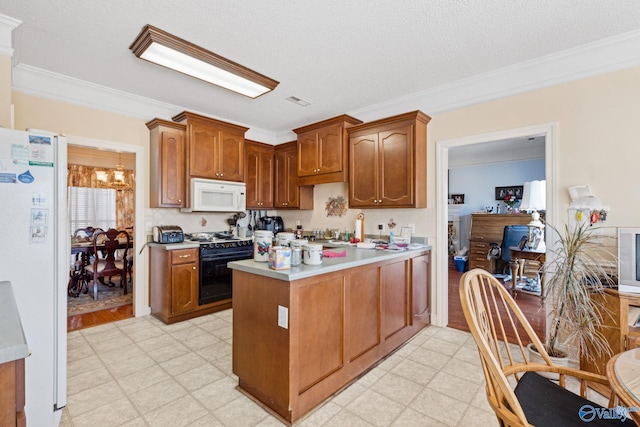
{"points": [[284, 238], [312, 254], [296, 255], [300, 243], [262, 240]]}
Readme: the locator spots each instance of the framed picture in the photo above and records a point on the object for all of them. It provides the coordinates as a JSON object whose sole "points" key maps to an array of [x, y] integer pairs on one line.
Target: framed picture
{"points": [[523, 242], [458, 199], [514, 190]]}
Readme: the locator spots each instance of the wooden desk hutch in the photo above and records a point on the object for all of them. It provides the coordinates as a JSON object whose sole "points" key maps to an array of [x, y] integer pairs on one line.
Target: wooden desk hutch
{"points": [[485, 230]]}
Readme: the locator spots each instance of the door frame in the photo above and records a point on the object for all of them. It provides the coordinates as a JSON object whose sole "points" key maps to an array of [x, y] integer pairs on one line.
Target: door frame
{"points": [[549, 131], [141, 305]]}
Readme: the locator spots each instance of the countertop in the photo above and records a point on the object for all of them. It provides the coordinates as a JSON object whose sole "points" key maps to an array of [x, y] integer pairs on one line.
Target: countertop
{"points": [[355, 258], [173, 246], [13, 344]]}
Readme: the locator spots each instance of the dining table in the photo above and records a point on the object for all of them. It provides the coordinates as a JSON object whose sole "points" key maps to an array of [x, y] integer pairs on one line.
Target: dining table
{"points": [[623, 373], [85, 249]]}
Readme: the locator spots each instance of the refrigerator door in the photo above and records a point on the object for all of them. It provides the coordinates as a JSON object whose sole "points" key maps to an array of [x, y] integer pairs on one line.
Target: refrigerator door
{"points": [[33, 194]]}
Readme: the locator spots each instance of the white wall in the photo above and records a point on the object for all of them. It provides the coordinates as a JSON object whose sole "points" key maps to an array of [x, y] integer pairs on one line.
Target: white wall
{"points": [[478, 182]]}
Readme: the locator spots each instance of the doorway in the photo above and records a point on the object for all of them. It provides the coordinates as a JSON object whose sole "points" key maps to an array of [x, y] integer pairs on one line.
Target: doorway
{"points": [[85, 157], [548, 131]]}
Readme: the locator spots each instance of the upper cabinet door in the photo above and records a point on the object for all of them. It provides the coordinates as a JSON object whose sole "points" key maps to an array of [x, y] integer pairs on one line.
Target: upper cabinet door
{"points": [[330, 149], [259, 174], [308, 153], [230, 165], [287, 193], [396, 167], [203, 143], [167, 153], [363, 175]]}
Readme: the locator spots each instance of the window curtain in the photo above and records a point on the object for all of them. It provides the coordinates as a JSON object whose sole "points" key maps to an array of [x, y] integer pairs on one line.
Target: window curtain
{"points": [[84, 176], [95, 207]]}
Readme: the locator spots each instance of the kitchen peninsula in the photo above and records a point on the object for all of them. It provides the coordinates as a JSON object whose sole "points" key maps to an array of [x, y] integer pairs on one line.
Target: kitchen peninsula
{"points": [[302, 334]]}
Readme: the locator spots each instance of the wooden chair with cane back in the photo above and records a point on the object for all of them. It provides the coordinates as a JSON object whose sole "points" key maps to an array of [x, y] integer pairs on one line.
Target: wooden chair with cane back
{"points": [[517, 392]]}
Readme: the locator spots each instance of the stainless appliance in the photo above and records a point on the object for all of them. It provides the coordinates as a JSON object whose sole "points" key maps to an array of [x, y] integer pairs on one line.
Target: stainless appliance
{"points": [[271, 223], [216, 250], [36, 260], [208, 195], [168, 234]]}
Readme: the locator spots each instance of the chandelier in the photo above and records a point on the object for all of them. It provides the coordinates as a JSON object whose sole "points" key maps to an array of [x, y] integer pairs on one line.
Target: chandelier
{"points": [[118, 182]]}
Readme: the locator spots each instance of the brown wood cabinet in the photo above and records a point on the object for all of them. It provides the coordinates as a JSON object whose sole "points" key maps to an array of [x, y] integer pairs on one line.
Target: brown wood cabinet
{"points": [[322, 151], [12, 394], [619, 334], [174, 278], [388, 162], [340, 324], [259, 173], [485, 230], [288, 194], [167, 153], [215, 149], [421, 297]]}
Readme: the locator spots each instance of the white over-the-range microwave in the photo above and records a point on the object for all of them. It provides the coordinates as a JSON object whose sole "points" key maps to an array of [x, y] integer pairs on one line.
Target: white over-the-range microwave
{"points": [[208, 195]]}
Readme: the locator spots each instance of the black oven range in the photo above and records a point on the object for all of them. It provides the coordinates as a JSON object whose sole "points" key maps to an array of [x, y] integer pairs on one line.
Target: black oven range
{"points": [[216, 250]]}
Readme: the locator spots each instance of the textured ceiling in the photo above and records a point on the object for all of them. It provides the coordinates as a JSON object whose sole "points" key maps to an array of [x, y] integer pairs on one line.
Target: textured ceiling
{"points": [[339, 55]]}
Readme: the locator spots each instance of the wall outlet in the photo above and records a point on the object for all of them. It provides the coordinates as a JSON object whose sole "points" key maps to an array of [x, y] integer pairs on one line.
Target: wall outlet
{"points": [[283, 317], [413, 228], [381, 226]]}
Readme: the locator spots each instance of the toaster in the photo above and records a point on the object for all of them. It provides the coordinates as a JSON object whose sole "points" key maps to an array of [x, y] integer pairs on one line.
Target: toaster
{"points": [[168, 234]]}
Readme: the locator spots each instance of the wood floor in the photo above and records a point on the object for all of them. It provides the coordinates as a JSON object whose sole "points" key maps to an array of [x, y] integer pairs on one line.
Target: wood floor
{"points": [[95, 318], [529, 304]]}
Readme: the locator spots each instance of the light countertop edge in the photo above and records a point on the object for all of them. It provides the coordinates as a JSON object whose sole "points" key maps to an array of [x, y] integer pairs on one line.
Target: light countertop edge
{"points": [[173, 246], [13, 344], [355, 258]]}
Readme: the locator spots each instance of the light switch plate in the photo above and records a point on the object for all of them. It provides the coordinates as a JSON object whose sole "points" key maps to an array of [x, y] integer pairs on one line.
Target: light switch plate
{"points": [[283, 317]]}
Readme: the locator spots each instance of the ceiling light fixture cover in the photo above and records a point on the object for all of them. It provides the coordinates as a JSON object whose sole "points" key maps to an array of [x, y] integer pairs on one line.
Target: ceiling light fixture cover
{"points": [[158, 46]]}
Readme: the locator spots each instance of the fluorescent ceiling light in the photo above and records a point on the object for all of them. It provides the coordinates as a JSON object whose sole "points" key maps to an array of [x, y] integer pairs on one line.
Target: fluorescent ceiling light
{"points": [[162, 48]]}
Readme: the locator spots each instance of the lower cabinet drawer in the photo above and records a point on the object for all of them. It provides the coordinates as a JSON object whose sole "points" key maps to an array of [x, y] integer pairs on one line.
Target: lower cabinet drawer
{"points": [[481, 262]]}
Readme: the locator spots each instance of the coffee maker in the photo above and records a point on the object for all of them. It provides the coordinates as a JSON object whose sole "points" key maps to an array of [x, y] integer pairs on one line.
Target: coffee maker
{"points": [[271, 223]]}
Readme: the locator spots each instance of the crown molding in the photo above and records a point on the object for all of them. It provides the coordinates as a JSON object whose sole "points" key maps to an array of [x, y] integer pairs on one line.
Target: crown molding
{"points": [[46, 84], [7, 25], [604, 56], [601, 57]]}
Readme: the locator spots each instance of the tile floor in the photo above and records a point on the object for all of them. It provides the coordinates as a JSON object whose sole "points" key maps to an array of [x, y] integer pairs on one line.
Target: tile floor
{"points": [[141, 372]]}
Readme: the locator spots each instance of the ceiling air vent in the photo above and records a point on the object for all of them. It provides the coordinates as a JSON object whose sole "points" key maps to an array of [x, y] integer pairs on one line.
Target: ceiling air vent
{"points": [[296, 100]]}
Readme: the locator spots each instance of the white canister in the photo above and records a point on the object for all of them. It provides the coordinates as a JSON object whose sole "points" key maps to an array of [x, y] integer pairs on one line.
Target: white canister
{"points": [[312, 254], [261, 243], [284, 238], [299, 243]]}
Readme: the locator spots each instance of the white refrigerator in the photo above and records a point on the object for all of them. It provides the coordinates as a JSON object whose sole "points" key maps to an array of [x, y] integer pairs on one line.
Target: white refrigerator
{"points": [[35, 258]]}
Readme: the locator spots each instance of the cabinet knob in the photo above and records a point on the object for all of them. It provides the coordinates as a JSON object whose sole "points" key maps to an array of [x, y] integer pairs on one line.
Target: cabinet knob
{"points": [[184, 256], [179, 200], [194, 267]]}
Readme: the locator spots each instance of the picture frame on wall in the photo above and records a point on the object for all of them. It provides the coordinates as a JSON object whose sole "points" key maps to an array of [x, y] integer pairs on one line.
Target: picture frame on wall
{"points": [[514, 190], [458, 199]]}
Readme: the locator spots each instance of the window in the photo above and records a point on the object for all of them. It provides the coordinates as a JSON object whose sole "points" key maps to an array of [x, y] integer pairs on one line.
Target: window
{"points": [[95, 207]]}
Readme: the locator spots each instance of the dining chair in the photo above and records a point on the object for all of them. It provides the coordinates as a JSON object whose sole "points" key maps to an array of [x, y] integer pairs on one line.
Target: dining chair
{"points": [[78, 278], [114, 244], [515, 390]]}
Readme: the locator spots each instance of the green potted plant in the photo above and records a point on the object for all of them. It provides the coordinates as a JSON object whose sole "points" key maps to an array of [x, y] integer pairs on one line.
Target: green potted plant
{"points": [[575, 269]]}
